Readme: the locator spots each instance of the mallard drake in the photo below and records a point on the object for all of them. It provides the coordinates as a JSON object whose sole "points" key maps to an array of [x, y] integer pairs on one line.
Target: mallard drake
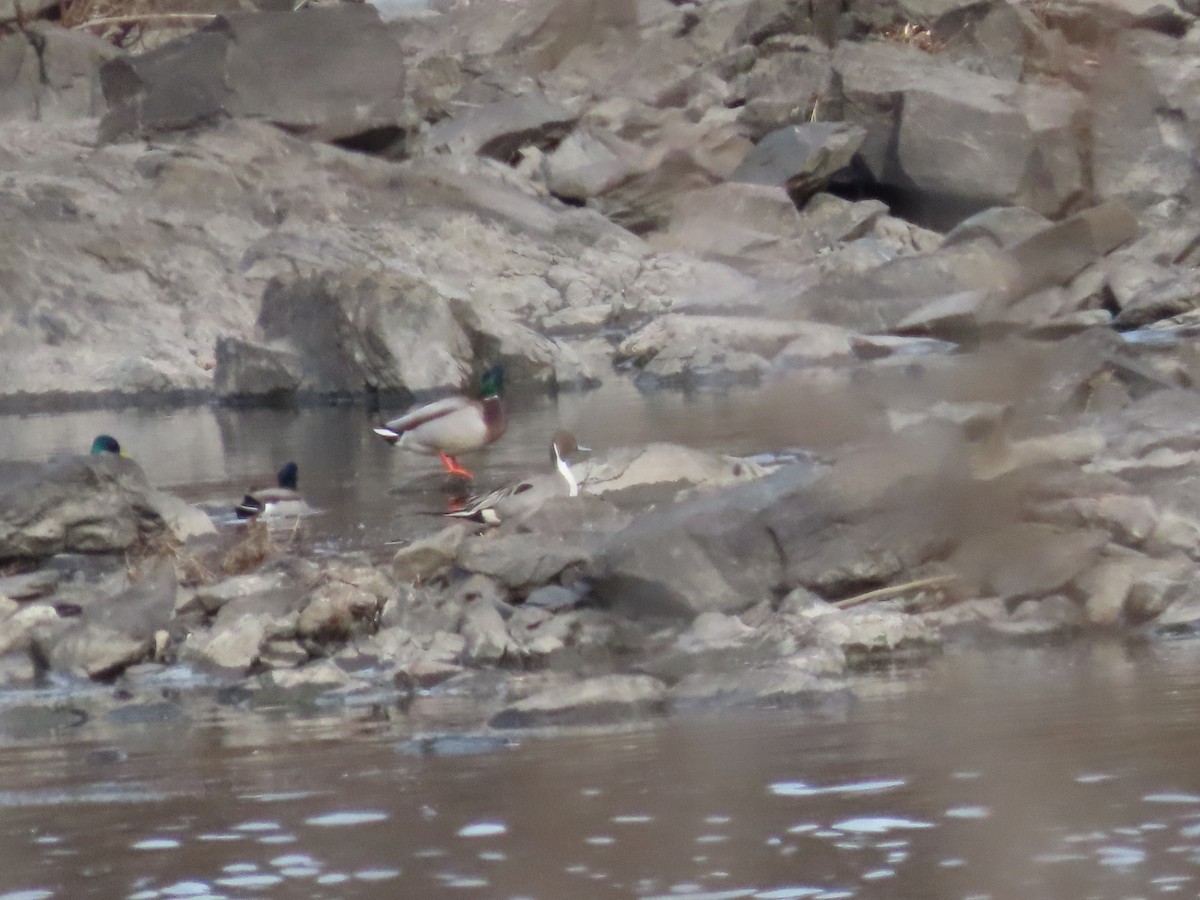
{"points": [[516, 501], [282, 500], [453, 425], [106, 443]]}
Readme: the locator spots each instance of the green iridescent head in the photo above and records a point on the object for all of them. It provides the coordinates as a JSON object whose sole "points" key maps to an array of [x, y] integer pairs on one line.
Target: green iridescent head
{"points": [[106, 443], [491, 383]]}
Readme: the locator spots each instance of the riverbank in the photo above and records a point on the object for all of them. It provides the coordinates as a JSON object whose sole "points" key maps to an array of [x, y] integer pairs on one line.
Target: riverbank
{"points": [[936, 264]]}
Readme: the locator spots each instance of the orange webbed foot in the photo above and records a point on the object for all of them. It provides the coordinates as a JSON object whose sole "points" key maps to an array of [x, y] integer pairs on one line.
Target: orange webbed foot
{"points": [[454, 467]]}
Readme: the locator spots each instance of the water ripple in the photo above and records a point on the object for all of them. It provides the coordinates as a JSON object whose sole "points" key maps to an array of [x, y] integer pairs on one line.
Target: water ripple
{"points": [[482, 829], [157, 844], [800, 789], [1171, 798], [347, 817], [878, 824]]}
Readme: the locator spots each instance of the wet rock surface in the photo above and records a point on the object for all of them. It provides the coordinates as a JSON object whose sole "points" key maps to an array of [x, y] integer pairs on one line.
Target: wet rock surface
{"points": [[961, 239]]}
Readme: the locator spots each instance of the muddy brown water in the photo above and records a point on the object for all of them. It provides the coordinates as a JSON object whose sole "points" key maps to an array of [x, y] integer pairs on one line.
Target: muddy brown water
{"points": [[1052, 772]]}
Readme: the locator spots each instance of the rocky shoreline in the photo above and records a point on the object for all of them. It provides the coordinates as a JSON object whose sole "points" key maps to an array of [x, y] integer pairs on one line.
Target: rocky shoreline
{"points": [[966, 230]]}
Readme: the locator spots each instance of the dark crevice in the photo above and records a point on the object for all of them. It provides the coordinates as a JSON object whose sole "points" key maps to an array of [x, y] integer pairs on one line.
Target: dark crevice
{"points": [[386, 140]]}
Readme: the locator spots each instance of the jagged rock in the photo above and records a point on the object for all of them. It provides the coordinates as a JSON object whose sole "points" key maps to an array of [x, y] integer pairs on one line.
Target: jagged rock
{"points": [[735, 221], [1145, 292], [660, 471], [868, 633], [594, 701], [978, 282], [242, 627], [783, 87], [522, 561], [1058, 253], [801, 158], [688, 156], [552, 598], [317, 676], [678, 349], [500, 130], [1004, 226], [487, 639], [29, 586], [527, 355], [1135, 154], [423, 611], [330, 73], [959, 135], [586, 163], [716, 644], [351, 330], [428, 556], [282, 653], [438, 660], [90, 504], [1132, 587], [249, 369], [335, 610], [208, 599], [117, 631], [710, 553], [24, 627], [49, 72]]}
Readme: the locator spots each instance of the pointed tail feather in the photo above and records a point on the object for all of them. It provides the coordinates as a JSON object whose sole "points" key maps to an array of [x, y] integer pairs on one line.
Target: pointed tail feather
{"points": [[248, 508], [485, 516], [387, 434]]}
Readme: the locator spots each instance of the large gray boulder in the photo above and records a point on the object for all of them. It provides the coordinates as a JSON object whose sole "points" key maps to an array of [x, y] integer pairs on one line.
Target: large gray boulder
{"points": [[117, 631], [242, 628], [969, 286], [501, 129], [708, 554], [947, 133], [1145, 114], [678, 349], [802, 158], [587, 162], [248, 369], [783, 87], [92, 504], [50, 73], [331, 73], [348, 331]]}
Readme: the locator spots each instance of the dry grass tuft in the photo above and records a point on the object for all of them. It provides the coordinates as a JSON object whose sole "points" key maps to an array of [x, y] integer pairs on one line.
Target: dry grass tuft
{"points": [[248, 553], [939, 584], [914, 35], [130, 23]]}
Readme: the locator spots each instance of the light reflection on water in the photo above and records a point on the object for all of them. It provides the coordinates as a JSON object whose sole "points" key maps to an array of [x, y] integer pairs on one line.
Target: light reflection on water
{"points": [[1060, 772]]}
